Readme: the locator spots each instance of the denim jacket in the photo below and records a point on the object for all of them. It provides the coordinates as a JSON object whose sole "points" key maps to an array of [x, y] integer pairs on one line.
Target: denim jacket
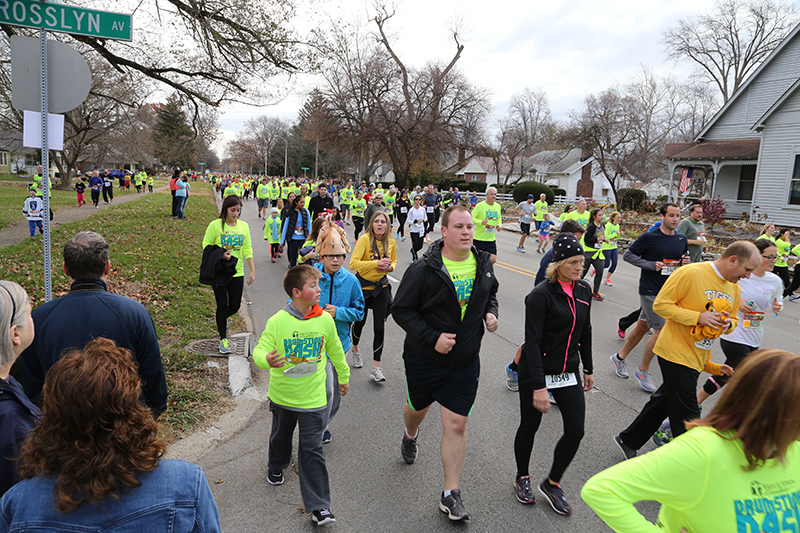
{"points": [[173, 498]]}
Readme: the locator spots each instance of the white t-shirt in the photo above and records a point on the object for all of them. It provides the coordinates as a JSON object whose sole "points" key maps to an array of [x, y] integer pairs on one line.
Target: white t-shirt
{"points": [[761, 290], [414, 214]]}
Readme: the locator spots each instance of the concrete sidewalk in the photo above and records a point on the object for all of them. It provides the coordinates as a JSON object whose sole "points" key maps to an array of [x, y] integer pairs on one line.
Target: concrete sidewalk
{"points": [[18, 231]]}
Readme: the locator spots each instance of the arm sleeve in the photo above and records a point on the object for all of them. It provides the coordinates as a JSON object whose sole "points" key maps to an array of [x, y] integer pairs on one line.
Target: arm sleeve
{"points": [[207, 518], [151, 369], [407, 307], [266, 344], [535, 316], [334, 351], [585, 343], [211, 236], [637, 261], [478, 214], [590, 237], [358, 263], [491, 304], [666, 302], [354, 311], [247, 245], [660, 475], [393, 252]]}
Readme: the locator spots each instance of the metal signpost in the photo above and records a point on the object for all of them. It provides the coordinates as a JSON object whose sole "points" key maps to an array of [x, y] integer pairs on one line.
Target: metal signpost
{"points": [[67, 19]]}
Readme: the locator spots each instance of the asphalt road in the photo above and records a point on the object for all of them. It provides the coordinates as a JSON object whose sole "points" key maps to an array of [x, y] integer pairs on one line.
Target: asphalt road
{"points": [[374, 490]]}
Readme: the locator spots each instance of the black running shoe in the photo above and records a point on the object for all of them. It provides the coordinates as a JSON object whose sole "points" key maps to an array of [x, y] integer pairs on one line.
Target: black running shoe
{"points": [[555, 496], [322, 516], [275, 478], [524, 490], [408, 449], [453, 506]]}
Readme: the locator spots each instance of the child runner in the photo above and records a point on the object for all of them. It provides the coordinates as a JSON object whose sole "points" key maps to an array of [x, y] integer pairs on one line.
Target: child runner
{"points": [[272, 234], [544, 233], [80, 188], [32, 209], [295, 346]]}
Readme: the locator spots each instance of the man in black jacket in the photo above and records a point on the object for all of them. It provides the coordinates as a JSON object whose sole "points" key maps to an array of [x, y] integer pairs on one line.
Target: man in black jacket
{"points": [[319, 203], [442, 303]]}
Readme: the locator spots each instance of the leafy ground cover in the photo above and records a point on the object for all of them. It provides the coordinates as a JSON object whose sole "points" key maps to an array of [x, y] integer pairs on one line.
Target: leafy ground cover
{"points": [[155, 259]]}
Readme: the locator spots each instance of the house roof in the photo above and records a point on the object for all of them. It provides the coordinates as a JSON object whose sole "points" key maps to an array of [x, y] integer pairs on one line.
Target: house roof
{"points": [[735, 149], [749, 80], [472, 167], [558, 161], [761, 122]]}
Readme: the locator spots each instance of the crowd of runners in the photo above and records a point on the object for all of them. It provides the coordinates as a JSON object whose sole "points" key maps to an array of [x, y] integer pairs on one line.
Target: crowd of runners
{"points": [[704, 470]]}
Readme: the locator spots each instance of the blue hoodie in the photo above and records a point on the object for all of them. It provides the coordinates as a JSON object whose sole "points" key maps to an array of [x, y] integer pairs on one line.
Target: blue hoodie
{"points": [[344, 292]]}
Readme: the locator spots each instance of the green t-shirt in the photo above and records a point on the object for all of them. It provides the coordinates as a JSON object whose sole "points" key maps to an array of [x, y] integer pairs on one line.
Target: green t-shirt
{"points": [[784, 248], [582, 218], [541, 209], [230, 190], [612, 234], [462, 273], [389, 201], [492, 214], [304, 342], [701, 484], [234, 238], [358, 207], [347, 195]]}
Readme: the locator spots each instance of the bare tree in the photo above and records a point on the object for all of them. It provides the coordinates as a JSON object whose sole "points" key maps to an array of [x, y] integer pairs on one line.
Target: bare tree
{"points": [[728, 43]]}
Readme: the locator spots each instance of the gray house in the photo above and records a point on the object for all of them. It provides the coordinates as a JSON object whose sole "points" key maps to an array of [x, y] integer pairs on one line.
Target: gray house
{"points": [[752, 145]]}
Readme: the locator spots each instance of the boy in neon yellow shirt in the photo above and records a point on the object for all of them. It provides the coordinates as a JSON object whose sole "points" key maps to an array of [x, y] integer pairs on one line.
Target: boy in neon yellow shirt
{"points": [[272, 233], [294, 346]]}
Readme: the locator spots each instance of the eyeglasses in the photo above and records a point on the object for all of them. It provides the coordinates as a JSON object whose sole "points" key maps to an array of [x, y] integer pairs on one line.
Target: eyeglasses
{"points": [[340, 257], [770, 257]]}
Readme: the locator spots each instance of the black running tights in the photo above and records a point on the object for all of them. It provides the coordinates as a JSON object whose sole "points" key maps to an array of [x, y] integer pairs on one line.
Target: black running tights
{"points": [[378, 301], [229, 299], [572, 405]]}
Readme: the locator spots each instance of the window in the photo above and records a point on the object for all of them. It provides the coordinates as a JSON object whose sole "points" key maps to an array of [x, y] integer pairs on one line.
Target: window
{"points": [[747, 178], [4, 159], [794, 185]]}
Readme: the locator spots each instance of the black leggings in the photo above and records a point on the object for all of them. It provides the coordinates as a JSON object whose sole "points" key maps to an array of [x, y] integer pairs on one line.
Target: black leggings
{"points": [[293, 250], [598, 264], [378, 301], [572, 404], [734, 354], [108, 194], [783, 272], [627, 321], [416, 244], [358, 225], [431, 222], [401, 219], [95, 197], [795, 282], [229, 299]]}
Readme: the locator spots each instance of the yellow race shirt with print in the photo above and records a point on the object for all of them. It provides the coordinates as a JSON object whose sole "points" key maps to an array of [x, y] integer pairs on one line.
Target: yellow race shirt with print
{"points": [[492, 214], [683, 296], [347, 195], [234, 238], [358, 207], [305, 343], [582, 218], [541, 209], [390, 200], [463, 275]]}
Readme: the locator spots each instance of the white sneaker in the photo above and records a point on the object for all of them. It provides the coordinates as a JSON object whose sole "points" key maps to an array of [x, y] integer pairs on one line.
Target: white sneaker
{"points": [[377, 374], [357, 363]]}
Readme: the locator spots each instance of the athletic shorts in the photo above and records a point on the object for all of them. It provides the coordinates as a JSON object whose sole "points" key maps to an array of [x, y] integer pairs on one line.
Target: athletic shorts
{"points": [[543, 237], [262, 202], [428, 381], [525, 228], [486, 246], [648, 315], [344, 208]]}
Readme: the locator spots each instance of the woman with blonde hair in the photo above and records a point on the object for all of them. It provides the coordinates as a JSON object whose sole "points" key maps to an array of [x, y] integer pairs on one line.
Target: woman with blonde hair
{"points": [[17, 414], [374, 256], [94, 462], [738, 469]]}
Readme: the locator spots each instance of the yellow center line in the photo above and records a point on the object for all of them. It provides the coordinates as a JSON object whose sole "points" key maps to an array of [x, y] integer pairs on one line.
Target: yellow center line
{"points": [[516, 269]]}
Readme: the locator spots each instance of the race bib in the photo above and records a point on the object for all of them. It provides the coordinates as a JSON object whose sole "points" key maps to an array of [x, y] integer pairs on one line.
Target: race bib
{"points": [[298, 230], [558, 381], [300, 371], [429, 209], [705, 344], [669, 266], [753, 321], [404, 210], [489, 229]]}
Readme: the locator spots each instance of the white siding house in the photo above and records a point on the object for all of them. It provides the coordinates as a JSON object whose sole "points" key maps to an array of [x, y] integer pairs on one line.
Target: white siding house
{"points": [[753, 143]]}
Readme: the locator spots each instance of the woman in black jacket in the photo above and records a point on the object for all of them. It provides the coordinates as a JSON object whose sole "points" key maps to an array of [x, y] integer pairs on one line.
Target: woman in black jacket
{"points": [[593, 241], [402, 206], [558, 336]]}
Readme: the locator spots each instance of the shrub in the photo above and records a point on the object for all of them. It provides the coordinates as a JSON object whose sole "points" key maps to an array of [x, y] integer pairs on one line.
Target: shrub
{"points": [[631, 199], [662, 198], [477, 186], [559, 192], [524, 188], [714, 210]]}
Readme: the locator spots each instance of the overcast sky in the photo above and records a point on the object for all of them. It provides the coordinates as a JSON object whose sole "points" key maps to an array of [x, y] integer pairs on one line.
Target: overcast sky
{"points": [[569, 49]]}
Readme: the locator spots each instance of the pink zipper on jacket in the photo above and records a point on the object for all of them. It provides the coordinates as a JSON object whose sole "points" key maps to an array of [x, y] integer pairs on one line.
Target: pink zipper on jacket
{"points": [[574, 308]]}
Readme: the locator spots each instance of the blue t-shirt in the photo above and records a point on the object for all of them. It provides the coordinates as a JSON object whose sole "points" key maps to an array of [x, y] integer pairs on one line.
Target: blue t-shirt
{"points": [[544, 227]]}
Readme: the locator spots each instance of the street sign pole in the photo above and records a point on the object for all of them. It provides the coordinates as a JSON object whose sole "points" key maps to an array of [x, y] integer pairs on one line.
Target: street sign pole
{"points": [[48, 282]]}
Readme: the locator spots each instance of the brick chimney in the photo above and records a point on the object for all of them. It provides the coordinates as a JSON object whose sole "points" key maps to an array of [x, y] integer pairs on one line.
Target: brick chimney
{"points": [[462, 155], [585, 187]]}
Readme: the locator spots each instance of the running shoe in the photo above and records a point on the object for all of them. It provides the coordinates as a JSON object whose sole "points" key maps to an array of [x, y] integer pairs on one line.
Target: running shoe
{"points": [[645, 379], [608, 282], [524, 490], [593, 271], [619, 366], [552, 399], [403, 238], [357, 362], [512, 379], [597, 296], [620, 332], [663, 434], [224, 346], [377, 374], [627, 451], [326, 437], [322, 516], [408, 449], [453, 506], [275, 478], [794, 297], [555, 497]]}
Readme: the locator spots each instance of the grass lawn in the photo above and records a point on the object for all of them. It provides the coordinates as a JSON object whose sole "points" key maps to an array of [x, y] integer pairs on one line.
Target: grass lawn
{"points": [[155, 259], [13, 193]]}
